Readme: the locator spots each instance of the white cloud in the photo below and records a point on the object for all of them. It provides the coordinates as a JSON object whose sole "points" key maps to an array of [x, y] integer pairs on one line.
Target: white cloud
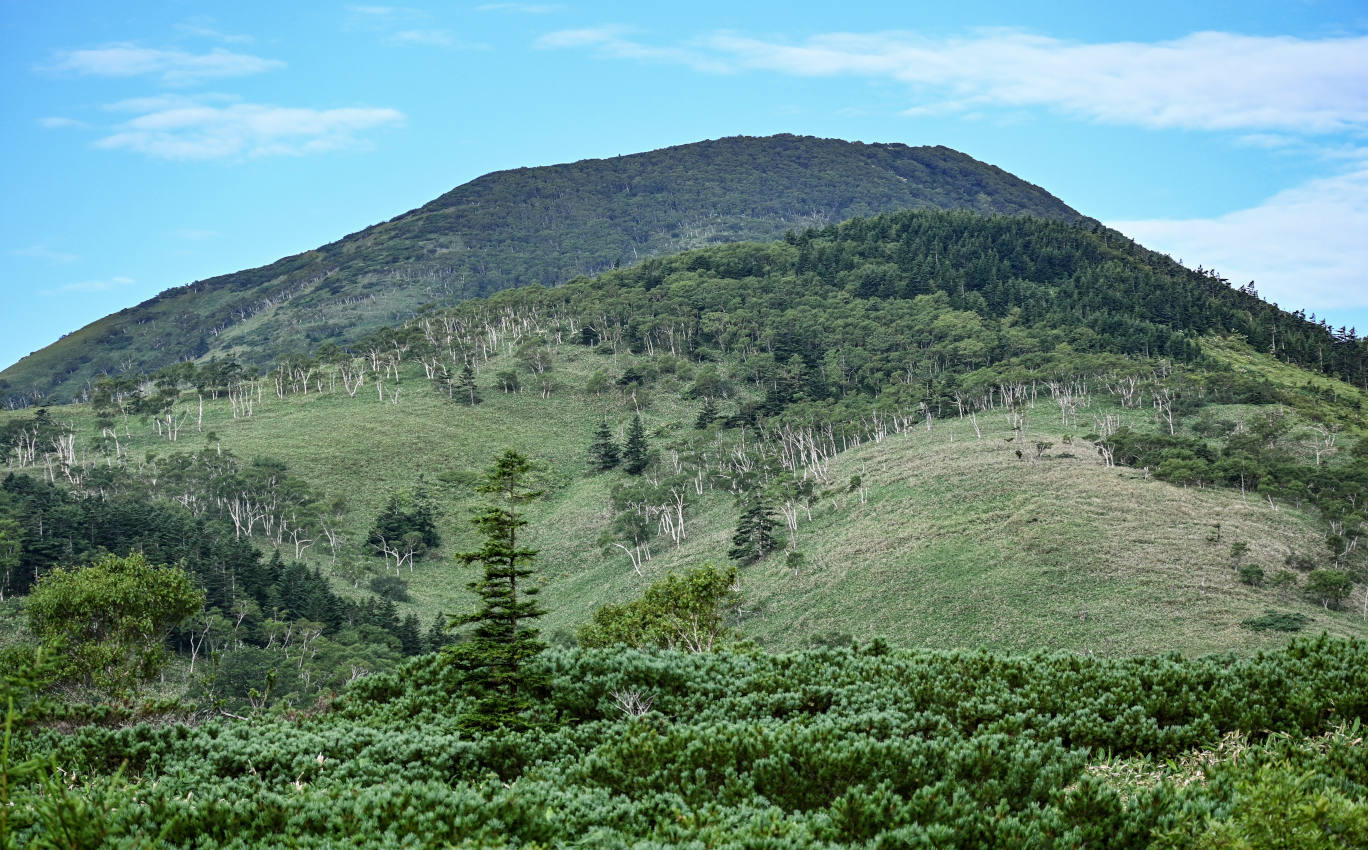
{"points": [[191, 129], [174, 67], [54, 122], [204, 27], [89, 286], [43, 252], [1206, 80], [1305, 247], [611, 41], [429, 38]]}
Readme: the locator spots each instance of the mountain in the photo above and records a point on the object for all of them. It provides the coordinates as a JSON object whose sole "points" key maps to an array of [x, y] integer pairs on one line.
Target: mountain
{"points": [[970, 430], [525, 226], [939, 529]]}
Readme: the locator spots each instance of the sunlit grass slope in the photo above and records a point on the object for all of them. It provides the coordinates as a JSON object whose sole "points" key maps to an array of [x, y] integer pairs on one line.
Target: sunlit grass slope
{"points": [[956, 543]]}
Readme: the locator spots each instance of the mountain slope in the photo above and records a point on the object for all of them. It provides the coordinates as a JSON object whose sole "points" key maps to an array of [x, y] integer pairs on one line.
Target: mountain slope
{"points": [[529, 225], [956, 542], [970, 430]]}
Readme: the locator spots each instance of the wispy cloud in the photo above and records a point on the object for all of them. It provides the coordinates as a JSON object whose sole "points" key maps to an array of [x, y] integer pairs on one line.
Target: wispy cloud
{"points": [[173, 67], [405, 26], [1207, 80], [613, 41], [205, 27], [208, 128], [521, 8], [427, 38], [43, 252], [57, 122], [432, 38], [1303, 247], [89, 286]]}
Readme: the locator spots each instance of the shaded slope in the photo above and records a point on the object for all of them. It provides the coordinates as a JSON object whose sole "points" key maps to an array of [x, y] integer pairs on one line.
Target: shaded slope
{"points": [[530, 225]]}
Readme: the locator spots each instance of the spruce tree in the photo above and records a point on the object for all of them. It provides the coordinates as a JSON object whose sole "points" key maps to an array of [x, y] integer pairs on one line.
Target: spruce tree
{"points": [[707, 414], [466, 382], [410, 636], [495, 657], [604, 453], [634, 452], [754, 537], [437, 638]]}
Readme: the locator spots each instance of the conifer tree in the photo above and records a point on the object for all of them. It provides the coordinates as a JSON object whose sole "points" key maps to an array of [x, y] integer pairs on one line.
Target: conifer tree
{"points": [[604, 451], [495, 657], [437, 637], [410, 636], [634, 452], [754, 537], [707, 414], [466, 382]]}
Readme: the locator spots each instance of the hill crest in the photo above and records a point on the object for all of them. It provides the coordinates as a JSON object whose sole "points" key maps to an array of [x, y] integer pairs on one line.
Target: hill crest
{"points": [[541, 225]]}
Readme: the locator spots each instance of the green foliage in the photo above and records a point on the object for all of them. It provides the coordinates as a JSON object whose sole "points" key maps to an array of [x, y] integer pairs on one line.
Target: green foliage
{"points": [[687, 612], [828, 748], [406, 528], [1252, 575], [1328, 588], [11, 545], [393, 588], [469, 392], [635, 452], [603, 452], [495, 657], [706, 414], [112, 619], [754, 536], [1271, 804], [1277, 621]]}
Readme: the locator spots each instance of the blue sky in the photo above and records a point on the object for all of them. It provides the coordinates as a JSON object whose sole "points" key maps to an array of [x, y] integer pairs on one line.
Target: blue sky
{"points": [[149, 144]]}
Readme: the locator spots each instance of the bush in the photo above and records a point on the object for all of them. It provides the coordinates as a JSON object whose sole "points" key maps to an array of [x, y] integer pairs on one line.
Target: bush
{"points": [[1328, 588], [1277, 621], [1252, 575], [392, 588]]}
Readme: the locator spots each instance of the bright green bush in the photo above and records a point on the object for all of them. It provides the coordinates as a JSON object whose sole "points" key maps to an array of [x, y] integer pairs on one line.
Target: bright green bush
{"points": [[824, 748]]}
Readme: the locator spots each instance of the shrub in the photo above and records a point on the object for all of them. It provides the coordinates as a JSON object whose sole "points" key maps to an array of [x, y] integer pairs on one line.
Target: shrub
{"points": [[1328, 588], [1277, 621]]}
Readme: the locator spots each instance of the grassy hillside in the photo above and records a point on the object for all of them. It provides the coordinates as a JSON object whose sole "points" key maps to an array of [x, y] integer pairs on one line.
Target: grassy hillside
{"points": [[511, 228], [956, 543]]}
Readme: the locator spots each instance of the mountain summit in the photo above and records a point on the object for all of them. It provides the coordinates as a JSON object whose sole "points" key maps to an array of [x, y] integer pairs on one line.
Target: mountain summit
{"points": [[524, 226]]}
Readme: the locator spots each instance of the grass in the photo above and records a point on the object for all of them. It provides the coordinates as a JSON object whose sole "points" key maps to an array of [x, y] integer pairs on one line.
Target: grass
{"points": [[1329, 398], [962, 544], [959, 543]]}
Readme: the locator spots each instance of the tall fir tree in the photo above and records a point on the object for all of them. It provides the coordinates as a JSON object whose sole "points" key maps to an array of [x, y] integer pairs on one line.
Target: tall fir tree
{"points": [[603, 452], [466, 382], [410, 636], [754, 537], [634, 452], [707, 414], [494, 659], [437, 637]]}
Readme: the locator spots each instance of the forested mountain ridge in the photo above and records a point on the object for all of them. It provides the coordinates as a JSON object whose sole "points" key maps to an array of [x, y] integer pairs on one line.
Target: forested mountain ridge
{"points": [[510, 228], [856, 379]]}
